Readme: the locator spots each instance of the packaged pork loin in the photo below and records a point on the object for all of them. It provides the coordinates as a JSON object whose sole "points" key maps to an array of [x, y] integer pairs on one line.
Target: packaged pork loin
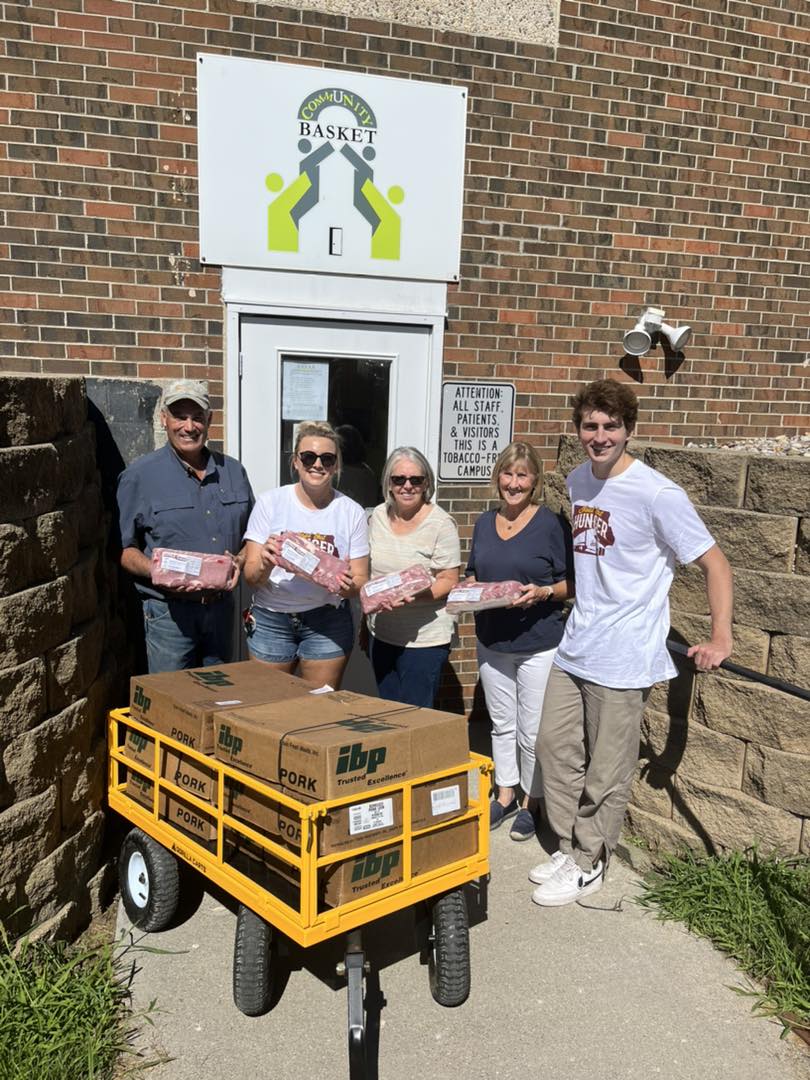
{"points": [[389, 588], [301, 556], [482, 595], [171, 568]]}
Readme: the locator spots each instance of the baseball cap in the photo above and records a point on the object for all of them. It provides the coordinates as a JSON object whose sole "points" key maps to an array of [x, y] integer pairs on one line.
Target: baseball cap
{"points": [[187, 390]]}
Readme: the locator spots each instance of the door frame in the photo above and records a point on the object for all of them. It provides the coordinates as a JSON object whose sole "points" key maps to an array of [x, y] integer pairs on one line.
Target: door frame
{"points": [[232, 358]]}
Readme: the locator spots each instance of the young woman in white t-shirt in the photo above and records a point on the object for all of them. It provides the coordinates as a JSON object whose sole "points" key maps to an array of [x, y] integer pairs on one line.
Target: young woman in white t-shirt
{"points": [[410, 642], [292, 620]]}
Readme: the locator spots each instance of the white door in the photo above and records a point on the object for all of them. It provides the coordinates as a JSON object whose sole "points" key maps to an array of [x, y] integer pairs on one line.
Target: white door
{"points": [[375, 377], [379, 378]]}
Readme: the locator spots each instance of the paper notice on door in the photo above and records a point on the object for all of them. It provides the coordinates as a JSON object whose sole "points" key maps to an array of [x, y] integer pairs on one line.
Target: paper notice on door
{"points": [[304, 390]]}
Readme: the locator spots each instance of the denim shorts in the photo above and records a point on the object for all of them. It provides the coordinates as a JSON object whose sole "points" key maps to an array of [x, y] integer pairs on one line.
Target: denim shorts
{"points": [[279, 637]]}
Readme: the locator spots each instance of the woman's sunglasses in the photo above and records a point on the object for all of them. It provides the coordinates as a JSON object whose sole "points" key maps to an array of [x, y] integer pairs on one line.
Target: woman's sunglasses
{"points": [[414, 481], [309, 457]]}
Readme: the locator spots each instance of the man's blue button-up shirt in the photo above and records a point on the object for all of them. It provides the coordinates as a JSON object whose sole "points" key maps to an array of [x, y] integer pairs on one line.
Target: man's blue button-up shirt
{"points": [[161, 503]]}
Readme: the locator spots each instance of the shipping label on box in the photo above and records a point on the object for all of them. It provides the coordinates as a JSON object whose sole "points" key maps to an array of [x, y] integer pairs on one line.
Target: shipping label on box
{"points": [[439, 800], [181, 704]]}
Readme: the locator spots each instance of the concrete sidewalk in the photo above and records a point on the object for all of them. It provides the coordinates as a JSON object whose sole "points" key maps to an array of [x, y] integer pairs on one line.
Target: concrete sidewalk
{"points": [[598, 990]]}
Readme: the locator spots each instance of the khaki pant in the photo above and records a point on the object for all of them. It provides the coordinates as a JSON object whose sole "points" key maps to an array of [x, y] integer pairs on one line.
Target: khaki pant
{"points": [[587, 748]]}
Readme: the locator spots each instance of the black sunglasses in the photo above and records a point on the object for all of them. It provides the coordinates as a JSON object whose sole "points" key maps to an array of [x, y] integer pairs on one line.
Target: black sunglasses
{"points": [[309, 457], [414, 481]]}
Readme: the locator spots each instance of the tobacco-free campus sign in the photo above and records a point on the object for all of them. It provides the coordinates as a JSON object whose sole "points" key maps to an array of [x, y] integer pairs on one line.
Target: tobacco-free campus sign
{"points": [[477, 421], [328, 171]]}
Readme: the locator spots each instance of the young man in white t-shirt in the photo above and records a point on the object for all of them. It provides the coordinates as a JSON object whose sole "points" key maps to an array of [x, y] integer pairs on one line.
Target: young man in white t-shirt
{"points": [[630, 524]]}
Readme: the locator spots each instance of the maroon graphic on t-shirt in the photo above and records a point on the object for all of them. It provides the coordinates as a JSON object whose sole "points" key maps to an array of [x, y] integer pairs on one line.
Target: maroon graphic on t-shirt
{"points": [[591, 530], [322, 541]]}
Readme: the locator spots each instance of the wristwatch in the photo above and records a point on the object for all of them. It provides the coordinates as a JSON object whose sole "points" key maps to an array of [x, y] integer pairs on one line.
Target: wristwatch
{"points": [[550, 593]]}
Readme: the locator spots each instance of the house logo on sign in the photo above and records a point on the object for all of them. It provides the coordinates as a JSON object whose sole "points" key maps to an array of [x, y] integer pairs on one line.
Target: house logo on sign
{"points": [[317, 140]]}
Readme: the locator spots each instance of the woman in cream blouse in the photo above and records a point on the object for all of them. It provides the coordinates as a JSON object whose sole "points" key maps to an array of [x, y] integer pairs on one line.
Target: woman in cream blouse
{"points": [[410, 642]]}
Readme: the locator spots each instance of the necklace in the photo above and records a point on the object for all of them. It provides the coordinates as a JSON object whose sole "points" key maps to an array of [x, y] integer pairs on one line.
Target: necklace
{"points": [[511, 523]]}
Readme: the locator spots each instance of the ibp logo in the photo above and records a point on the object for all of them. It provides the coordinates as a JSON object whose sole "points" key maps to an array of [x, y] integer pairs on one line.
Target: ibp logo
{"points": [[354, 757], [141, 700], [365, 724], [138, 742], [210, 677], [232, 743], [374, 865], [350, 121]]}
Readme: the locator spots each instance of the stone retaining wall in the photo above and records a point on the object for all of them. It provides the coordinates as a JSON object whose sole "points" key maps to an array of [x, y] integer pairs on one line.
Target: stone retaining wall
{"points": [[56, 675], [725, 761]]}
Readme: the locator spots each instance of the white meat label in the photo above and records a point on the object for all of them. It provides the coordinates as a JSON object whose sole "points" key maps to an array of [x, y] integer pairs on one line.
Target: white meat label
{"points": [[365, 817], [383, 583], [444, 800], [184, 564], [459, 596], [299, 556]]}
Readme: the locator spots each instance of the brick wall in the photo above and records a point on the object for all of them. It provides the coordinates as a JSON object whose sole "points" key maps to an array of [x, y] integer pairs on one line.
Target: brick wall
{"points": [[656, 156]]}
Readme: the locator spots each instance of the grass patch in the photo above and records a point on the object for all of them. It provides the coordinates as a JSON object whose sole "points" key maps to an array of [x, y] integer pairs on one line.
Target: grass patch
{"points": [[64, 1011], [755, 908]]}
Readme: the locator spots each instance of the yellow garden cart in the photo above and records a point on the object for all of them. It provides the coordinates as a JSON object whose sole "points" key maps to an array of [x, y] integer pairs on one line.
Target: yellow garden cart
{"points": [[283, 884]]}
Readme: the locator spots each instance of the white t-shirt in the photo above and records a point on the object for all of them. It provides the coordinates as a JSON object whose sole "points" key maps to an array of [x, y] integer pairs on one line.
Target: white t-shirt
{"points": [[339, 528], [627, 531]]}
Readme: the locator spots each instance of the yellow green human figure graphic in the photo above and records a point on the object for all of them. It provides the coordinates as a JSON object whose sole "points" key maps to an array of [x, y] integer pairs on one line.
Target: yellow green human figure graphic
{"points": [[385, 239], [386, 224], [285, 211], [291, 203]]}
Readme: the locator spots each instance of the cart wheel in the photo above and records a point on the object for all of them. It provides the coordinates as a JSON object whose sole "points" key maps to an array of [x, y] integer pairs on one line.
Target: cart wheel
{"points": [[149, 879], [449, 958], [252, 967]]}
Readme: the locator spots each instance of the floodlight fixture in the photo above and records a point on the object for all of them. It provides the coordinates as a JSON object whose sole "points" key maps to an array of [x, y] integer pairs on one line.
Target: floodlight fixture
{"points": [[644, 335]]}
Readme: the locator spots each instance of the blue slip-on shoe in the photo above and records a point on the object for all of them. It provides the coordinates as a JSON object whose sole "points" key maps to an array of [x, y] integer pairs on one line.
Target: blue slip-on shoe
{"points": [[524, 827], [498, 812]]}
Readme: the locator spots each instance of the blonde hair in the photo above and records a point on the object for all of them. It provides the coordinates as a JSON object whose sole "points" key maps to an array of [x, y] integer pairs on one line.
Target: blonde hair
{"points": [[510, 455], [316, 429]]}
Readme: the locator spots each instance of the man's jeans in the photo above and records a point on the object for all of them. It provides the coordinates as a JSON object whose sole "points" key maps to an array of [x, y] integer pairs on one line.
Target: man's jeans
{"points": [[182, 634]]}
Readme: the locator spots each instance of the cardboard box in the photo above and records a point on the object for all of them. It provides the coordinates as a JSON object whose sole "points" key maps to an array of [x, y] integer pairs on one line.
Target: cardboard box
{"points": [[378, 870], [182, 704], [178, 768], [363, 822], [347, 827], [325, 746], [182, 815], [272, 873]]}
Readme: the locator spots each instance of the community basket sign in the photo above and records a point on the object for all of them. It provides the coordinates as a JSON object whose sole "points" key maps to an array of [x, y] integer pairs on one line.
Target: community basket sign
{"points": [[477, 420], [329, 171]]}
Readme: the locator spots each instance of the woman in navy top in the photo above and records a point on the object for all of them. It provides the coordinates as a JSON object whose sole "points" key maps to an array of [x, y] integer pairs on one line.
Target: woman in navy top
{"points": [[520, 541]]}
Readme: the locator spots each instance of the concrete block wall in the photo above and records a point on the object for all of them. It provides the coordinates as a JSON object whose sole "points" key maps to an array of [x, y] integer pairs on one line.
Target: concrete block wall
{"points": [[56, 675], [723, 760]]}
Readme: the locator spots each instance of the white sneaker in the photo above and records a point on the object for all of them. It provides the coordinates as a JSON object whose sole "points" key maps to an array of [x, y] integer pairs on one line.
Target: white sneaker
{"points": [[568, 883], [544, 870]]}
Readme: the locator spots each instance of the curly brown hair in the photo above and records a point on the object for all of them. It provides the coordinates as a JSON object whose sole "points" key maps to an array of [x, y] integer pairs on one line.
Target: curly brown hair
{"points": [[608, 396]]}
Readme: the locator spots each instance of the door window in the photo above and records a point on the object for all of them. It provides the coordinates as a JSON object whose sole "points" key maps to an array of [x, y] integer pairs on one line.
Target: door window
{"points": [[352, 393]]}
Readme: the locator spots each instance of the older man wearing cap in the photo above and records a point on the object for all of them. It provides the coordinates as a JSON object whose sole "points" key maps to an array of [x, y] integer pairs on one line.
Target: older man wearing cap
{"points": [[188, 497]]}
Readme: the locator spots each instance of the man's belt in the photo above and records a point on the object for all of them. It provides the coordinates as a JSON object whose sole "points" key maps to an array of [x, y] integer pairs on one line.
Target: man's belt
{"points": [[197, 598]]}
